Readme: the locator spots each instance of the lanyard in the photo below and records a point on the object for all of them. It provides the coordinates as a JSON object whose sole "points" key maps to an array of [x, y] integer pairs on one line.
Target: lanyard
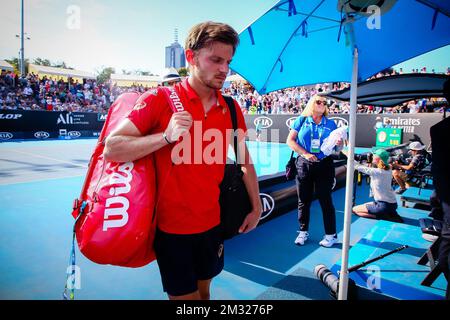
{"points": [[315, 143], [320, 131]]}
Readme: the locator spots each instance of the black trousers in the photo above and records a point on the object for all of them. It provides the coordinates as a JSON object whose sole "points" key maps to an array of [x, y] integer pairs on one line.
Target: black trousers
{"points": [[315, 177], [444, 249]]}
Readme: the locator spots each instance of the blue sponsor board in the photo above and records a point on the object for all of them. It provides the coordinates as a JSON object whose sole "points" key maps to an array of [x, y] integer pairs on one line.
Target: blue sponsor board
{"points": [[42, 125], [24, 124], [101, 117]]}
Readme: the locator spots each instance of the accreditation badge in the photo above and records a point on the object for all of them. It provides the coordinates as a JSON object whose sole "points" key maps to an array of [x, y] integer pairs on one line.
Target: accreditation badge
{"points": [[315, 146]]}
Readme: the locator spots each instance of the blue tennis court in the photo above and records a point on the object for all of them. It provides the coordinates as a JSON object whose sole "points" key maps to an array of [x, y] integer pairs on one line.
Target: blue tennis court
{"points": [[39, 181], [398, 275]]}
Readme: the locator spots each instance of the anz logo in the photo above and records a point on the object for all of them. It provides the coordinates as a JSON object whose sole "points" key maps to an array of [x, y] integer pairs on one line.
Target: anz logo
{"points": [[290, 121], [340, 122], [265, 122], [41, 135], [268, 204]]}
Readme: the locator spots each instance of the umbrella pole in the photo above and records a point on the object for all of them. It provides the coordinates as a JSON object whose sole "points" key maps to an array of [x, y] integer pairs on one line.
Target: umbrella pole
{"points": [[343, 276]]}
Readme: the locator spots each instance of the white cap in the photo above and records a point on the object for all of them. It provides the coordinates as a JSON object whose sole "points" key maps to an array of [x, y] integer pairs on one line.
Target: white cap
{"points": [[416, 145], [170, 74]]}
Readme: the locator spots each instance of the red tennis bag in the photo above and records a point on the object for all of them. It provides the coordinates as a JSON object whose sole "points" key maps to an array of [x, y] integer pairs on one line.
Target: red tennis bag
{"points": [[115, 220], [114, 214]]}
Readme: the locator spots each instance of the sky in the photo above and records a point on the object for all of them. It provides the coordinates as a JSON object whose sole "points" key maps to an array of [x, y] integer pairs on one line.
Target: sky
{"points": [[132, 34]]}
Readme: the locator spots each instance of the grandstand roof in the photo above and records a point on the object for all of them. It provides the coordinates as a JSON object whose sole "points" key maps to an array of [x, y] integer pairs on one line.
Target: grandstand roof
{"points": [[62, 72], [6, 66], [135, 78]]}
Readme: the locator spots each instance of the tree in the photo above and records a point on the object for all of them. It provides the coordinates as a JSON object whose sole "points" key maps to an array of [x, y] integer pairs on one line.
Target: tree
{"points": [[144, 73], [105, 74], [42, 62], [15, 63], [62, 65], [183, 72], [138, 72], [38, 61], [48, 63]]}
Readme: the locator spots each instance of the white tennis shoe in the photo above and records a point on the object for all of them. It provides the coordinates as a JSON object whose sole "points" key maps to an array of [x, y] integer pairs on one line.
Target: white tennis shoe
{"points": [[301, 238], [328, 240]]}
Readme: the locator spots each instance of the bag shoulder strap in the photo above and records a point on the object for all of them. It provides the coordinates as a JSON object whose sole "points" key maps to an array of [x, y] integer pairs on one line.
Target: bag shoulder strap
{"points": [[173, 99], [302, 121], [177, 106], [232, 108]]}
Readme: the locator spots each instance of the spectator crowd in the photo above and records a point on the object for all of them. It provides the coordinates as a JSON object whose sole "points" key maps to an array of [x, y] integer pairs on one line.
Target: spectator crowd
{"points": [[294, 100], [32, 93]]}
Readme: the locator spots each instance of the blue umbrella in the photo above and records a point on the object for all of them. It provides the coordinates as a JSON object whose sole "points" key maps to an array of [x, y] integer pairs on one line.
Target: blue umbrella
{"points": [[300, 42]]}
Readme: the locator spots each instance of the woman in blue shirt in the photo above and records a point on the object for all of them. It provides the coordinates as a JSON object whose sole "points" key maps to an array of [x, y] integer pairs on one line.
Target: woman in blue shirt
{"points": [[315, 171]]}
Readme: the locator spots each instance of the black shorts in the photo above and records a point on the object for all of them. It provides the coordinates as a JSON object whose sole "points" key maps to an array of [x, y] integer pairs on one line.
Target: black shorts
{"points": [[185, 259], [381, 209]]}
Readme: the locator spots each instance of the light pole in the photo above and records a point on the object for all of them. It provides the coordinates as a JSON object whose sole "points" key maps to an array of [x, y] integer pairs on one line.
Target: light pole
{"points": [[22, 64], [22, 38], [21, 52]]}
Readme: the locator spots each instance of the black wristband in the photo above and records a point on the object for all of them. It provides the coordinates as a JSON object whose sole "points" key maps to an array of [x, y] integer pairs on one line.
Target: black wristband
{"points": [[165, 138]]}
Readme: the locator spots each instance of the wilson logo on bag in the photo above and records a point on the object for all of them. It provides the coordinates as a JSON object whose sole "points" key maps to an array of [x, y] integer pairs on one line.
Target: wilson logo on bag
{"points": [[122, 179]]}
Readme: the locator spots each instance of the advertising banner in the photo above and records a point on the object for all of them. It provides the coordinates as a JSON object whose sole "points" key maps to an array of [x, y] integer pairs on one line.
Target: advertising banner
{"points": [[23, 124]]}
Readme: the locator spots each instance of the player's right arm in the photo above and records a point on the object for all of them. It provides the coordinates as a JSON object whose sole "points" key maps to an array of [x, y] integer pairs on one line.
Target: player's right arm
{"points": [[126, 143], [130, 140]]}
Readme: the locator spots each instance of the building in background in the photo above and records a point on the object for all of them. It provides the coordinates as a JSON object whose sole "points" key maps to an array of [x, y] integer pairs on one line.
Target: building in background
{"points": [[175, 54]]}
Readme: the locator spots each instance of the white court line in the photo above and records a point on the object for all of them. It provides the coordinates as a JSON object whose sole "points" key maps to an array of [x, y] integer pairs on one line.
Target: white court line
{"points": [[42, 179], [47, 158], [263, 268]]}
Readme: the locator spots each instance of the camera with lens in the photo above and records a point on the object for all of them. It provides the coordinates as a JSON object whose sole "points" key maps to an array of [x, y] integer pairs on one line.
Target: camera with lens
{"points": [[328, 278], [331, 281], [368, 157], [399, 157]]}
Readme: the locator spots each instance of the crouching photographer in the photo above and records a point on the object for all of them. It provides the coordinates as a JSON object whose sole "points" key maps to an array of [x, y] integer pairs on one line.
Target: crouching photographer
{"points": [[403, 173], [385, 205]]}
